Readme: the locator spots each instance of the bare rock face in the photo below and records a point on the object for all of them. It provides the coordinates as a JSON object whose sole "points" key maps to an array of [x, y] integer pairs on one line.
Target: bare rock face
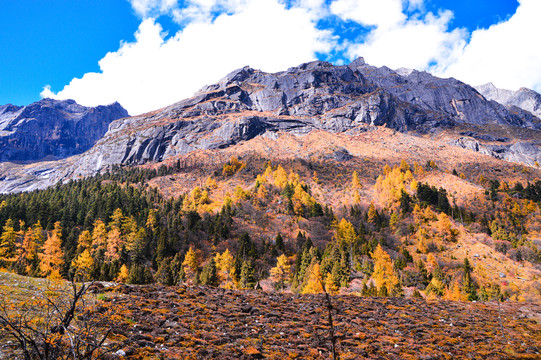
{"points": [[52, 129], [519, 152], [316, 95], [523, 98]]}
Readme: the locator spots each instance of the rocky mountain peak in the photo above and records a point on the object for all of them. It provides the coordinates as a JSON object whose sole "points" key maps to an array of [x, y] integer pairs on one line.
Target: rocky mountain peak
{"points": [[312, 96], [524, 98], [52, 128], [357, 62]]}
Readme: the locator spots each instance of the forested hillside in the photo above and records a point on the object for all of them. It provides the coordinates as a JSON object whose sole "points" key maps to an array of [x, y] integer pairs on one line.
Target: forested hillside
{"points": [[253, 223]]}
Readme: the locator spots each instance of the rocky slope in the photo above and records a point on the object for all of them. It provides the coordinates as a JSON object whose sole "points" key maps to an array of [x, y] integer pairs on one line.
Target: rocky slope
{"points": [[210, 323], [523, 98], [52, 129], [317, 95]]}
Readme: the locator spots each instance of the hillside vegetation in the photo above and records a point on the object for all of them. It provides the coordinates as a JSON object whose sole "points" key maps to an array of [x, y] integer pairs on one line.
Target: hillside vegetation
{"points": [[402, 232], [429, 226]]}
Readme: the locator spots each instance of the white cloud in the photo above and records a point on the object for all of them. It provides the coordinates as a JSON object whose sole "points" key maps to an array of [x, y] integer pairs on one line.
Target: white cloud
{"points": [[381, 13], [396, 41], [155, 71], [316, 8], [419, 44], [188, 10], [506, 54], [152, 72], [150, 8]]}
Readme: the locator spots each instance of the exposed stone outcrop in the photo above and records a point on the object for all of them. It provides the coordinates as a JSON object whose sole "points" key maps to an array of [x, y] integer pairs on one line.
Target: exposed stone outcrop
{"points": [[523, 98], [52, 128], [317, 95], [519, 152], [214, 323]]}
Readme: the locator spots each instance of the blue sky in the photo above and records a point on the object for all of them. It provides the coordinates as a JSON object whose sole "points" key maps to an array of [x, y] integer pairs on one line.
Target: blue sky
{"points": [[150, 53]]}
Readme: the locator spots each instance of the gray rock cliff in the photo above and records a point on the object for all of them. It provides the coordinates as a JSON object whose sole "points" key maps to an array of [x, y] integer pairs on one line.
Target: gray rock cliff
{"points": [[523, 98], [52, 129], [316, 95]]}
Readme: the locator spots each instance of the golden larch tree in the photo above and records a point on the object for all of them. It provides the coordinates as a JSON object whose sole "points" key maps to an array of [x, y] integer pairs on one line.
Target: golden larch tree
{"points": [[190, 266], [51, 259], [345, 232], [384, 274], [83, 265], [84, 241], [313, 281], [99, 236], [27, 253], [355, 182], [224, 269], [280, 273], [280, 177], [372, 213], [7, 244], [114, 244], [123, 274]]}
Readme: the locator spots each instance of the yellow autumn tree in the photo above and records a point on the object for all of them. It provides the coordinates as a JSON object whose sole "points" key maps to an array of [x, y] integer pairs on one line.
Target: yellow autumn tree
{"points": [[356, 198], [345, 232], [431, 262], [99, 237], [330, 284], [445, 229], [280, 177], [225, 269], [7, 244], [51, 260], [262, 192], [123, 274], [114, 244], [84, 241], [414, 185], [372, 213], [453, 293], [27, 253], [355, 182], [190, 266], [152, 222], [313, 282], [267, 175], [83, 265], [384, 274], [116, 220], [404, 166], [280, 273], [422, 244], [211, 183]]}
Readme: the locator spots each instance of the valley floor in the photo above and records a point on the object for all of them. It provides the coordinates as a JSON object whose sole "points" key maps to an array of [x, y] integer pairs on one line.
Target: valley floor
{"points": [[204, 322]]}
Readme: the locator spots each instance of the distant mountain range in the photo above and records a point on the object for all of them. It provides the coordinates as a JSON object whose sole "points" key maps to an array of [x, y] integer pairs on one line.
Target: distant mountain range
{"points": [[248, 103], [52, 129], [523, 98]]}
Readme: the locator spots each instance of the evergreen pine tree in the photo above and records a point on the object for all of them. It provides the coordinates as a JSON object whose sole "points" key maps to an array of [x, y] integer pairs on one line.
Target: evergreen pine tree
{"points": [[209, 274], [247, 275], [164, 275]]}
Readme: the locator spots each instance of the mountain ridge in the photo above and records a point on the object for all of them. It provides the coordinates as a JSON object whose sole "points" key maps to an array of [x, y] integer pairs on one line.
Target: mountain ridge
{"points": [[523, 98], [316, 95], [52, 129]]}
